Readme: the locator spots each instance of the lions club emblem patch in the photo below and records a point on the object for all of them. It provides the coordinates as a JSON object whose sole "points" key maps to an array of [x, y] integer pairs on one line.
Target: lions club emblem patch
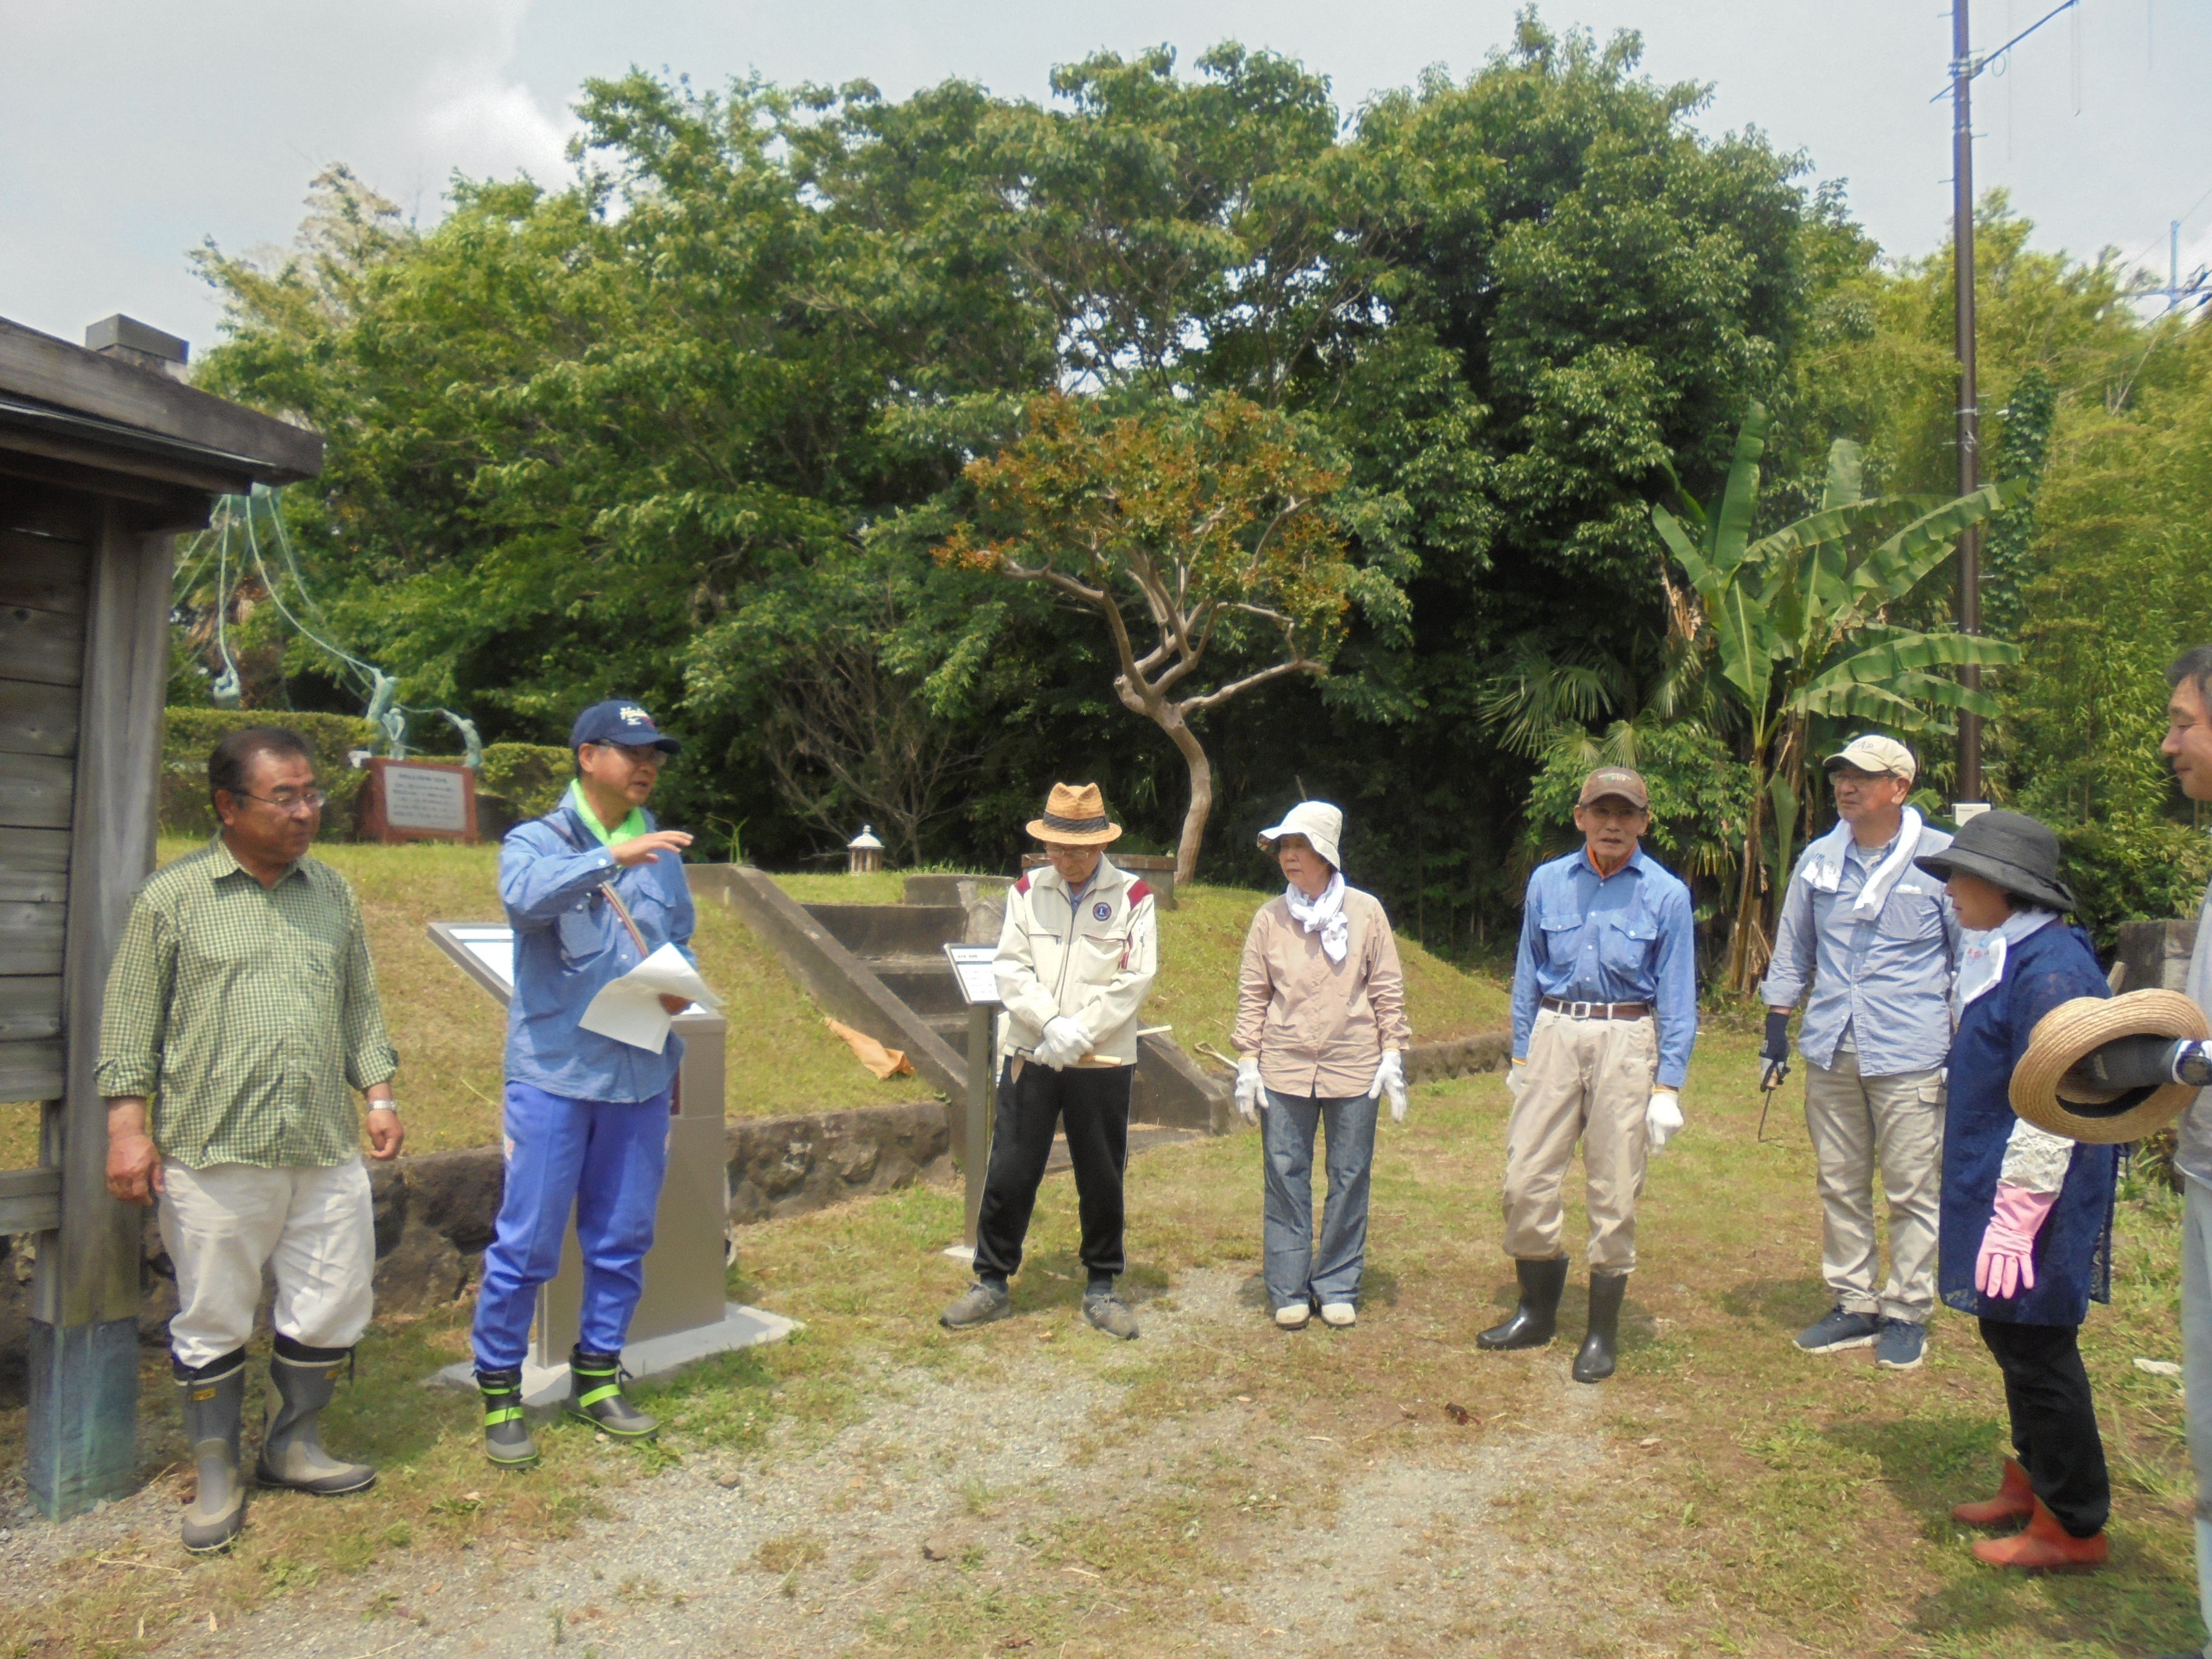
{"points": [[1101, 911]]}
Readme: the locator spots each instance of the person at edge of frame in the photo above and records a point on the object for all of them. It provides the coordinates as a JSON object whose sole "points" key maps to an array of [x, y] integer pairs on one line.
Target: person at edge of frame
{"points": [[1605, 1013], [2026, 1216], [2143, 1062], [1076, 953], [592, 888], [242, 1003], [1875, 939], [1321, 1033]]}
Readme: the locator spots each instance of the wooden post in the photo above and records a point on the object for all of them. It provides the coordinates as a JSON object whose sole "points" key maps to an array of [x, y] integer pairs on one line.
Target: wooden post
{"points": [[83, 1418]]}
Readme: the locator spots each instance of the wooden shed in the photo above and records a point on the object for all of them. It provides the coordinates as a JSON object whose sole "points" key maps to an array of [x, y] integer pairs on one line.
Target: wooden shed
{"points": [[104, 456]]}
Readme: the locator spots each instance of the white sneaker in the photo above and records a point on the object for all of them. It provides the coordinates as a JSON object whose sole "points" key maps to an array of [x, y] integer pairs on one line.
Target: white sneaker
{"points": [[1342, 1314], [1293, 1318]]}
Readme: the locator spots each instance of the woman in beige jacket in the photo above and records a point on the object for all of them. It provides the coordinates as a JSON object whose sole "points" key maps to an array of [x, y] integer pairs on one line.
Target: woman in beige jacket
{"points": [[1320, 1025]]}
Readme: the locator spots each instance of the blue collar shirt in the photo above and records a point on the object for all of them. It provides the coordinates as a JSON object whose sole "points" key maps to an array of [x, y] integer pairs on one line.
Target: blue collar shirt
{"points": [[1879, 984], [569, 943], [1628, 937]]}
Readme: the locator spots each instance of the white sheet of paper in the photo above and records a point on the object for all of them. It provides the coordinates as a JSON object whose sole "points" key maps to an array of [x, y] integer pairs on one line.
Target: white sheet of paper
{"points": [[629, 1009]]}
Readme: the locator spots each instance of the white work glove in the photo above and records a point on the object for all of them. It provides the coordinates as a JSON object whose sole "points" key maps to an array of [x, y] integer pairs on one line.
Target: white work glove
{"points": [[1064, 1042], [1251, 1099], [1516, 1078], [1663, 1118], [1390, 1079]]}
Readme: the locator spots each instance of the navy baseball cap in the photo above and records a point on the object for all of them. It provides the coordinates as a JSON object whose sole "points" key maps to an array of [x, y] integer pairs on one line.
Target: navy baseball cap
{"points": [[620, 720]]}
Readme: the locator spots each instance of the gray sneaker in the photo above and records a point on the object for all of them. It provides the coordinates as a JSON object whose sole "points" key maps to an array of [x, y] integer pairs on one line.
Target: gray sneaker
{"points": [[979, 1304], [1111, 1315], [1839, 1331], [1901, 1345]]}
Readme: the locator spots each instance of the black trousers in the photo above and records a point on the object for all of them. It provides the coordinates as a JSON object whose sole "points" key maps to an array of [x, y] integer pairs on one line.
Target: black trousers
{"points": [[2054, 1422], [1093, 1104]]}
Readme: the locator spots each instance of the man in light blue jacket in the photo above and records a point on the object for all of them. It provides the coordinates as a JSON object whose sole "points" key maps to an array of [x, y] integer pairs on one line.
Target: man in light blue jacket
{"points": [[592, 889], [1875, 940]]}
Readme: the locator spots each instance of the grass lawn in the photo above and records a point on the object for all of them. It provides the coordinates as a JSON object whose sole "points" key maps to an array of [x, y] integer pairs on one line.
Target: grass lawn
{"points": [[1225, 1490], [781, 1059]]}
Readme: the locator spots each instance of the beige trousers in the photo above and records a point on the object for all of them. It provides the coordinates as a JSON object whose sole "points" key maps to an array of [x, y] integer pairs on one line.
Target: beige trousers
{"points": [[1858, 1124], [222, 1224], [1588, 1080]]}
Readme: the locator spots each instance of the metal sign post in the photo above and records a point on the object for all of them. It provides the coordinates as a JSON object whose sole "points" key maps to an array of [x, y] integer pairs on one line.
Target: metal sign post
{"points": [[683, 1313], [979, 989]]}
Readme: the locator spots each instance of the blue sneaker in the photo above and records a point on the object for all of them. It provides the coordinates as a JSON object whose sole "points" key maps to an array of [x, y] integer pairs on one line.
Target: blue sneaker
{"points": [[1839, 1331], [1901, 1345]]}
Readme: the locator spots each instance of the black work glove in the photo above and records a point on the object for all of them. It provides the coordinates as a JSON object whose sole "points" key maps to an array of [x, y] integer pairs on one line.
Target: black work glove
{"points": [[1774, 1052], [2144, 1062]]}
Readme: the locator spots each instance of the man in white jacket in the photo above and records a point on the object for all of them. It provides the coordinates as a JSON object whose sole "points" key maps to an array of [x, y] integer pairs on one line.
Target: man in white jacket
{"points": [[1076, 958]]}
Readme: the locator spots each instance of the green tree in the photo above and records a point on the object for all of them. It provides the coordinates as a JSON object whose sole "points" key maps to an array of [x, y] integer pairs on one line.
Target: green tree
{"points": [[1796, 623]]}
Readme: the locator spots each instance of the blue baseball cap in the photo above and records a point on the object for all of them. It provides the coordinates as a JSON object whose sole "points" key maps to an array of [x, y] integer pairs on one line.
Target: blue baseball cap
{"points": [[620, 720]]}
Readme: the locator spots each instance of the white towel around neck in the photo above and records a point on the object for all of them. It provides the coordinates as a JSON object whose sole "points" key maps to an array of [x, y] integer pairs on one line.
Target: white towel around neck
{"points": [[1823, 868], [1323, 914], [1982, 954]]}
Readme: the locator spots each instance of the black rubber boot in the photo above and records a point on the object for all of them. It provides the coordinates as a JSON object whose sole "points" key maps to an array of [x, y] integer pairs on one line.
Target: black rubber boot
{"points": [[507, 1442], [1595, 1363], [1537, 1318], [595, 1395], [292, 1454], [214, 1400]]}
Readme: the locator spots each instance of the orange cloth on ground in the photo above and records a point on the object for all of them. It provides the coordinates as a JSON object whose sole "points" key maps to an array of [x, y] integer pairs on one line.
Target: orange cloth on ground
{"points": [[883, 1062]]}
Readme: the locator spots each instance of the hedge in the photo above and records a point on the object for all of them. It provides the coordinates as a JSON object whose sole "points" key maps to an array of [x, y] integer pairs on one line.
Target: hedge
{"points": [[190, 735], [529, 777], [525, 779]]}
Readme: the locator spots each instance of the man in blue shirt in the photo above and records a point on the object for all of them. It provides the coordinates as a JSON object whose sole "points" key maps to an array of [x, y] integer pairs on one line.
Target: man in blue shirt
{"points": [[592, 889], [1876, 940], [1605, 1010]]}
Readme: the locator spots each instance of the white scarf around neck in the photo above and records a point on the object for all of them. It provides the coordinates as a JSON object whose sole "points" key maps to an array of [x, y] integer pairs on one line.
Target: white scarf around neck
{"points": [[1982, 954], [1823, 869], [1323, 914]]}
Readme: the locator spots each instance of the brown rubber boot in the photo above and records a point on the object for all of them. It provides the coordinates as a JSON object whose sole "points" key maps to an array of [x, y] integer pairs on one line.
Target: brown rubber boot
{"points": [[2044, 1544], [2015, 1501]]}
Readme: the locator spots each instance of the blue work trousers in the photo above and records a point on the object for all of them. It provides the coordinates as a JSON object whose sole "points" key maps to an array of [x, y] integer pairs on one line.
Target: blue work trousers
{"points": [[1295, 1272], [604, 1159]]}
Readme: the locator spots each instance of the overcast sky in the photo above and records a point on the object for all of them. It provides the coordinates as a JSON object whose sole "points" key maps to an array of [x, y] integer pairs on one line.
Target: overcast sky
{"points": [[130, 131]]}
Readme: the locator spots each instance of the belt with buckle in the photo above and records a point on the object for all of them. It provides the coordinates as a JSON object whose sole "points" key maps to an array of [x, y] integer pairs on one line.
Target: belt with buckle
{"points": [[1598, 1010]]}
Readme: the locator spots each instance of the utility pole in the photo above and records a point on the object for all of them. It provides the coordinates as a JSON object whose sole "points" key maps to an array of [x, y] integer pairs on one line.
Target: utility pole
{"points": [[1963, 70]]}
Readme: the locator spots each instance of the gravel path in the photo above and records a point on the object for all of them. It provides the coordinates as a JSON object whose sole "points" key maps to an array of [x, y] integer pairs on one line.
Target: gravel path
{"points": [[806, 1552]]}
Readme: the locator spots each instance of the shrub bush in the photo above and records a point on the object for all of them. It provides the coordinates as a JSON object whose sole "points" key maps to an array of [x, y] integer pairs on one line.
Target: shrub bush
{"points": [[2134, 870], [529, 777], [190, 734]]}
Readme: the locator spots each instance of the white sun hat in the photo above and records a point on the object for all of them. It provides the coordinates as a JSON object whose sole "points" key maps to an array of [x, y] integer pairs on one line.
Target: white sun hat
{"points": [[1321, 824]]}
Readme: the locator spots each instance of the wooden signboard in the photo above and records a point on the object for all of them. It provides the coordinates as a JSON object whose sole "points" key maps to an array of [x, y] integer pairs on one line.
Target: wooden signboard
{"points": [[418, 800]]}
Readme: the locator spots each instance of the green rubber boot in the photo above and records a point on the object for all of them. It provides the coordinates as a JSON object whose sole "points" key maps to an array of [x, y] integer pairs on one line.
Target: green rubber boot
{"points": [[304, 1379], [507, 1442], [595, 1395], [213, 1402]]}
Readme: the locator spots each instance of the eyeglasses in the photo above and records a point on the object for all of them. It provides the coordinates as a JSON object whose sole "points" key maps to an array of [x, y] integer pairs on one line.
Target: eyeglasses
{"points": [[312, 801]]}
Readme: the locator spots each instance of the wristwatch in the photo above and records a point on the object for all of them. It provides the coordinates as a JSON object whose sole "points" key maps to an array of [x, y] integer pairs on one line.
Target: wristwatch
{"points": [[390, 1106]]}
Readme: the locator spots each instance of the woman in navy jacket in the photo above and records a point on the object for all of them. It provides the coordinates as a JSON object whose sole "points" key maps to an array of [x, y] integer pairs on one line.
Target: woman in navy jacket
{"points": [[2026, 1215]]}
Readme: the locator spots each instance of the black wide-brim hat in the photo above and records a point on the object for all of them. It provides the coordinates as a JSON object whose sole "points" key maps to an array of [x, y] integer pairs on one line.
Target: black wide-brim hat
{"points": [[2009, 850]]}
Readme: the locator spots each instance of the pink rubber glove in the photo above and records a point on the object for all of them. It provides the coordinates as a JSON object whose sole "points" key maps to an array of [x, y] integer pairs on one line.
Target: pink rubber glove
{"points": [[2005, 1265]]}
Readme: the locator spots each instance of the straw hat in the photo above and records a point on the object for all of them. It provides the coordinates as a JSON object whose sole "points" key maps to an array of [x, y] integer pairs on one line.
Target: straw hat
{"points": [[1075, 815], [2048, 1093], [1321, 824]]}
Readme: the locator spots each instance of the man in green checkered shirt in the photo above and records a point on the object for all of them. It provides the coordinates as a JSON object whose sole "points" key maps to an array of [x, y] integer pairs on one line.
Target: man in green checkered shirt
{"points": [[242, 1006]]}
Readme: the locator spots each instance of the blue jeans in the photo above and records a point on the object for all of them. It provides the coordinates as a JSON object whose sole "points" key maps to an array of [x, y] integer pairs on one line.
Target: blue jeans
{"points": [[604, 1159], [1293, 1270]]}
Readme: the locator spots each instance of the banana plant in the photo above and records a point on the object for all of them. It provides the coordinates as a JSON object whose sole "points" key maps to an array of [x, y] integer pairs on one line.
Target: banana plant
{"points": [[1797, 623]]}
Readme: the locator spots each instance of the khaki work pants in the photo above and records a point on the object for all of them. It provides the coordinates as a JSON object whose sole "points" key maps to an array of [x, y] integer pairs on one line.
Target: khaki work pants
{"points": [[1588, 1080], [1858, 1123]]}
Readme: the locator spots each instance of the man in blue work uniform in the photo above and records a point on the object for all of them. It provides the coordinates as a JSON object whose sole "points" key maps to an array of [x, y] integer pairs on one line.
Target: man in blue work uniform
{"points": [[1876, 940], [592, 889], [1605, 1010]]}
